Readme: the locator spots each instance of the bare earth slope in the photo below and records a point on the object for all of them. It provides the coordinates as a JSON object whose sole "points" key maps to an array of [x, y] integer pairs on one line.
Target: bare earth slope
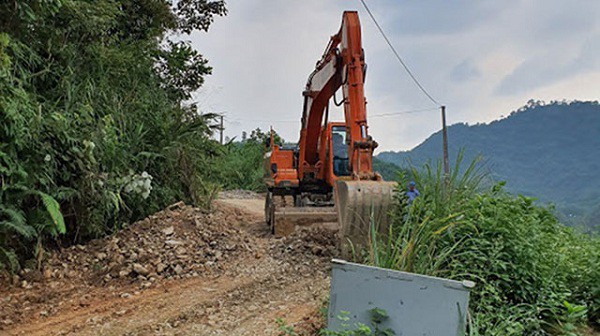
{"points": [[179, 272]]}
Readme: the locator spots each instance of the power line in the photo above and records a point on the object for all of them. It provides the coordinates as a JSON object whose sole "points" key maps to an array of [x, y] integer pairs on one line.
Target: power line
{"points": [[398, 55], [402, 112], [230, 120]]}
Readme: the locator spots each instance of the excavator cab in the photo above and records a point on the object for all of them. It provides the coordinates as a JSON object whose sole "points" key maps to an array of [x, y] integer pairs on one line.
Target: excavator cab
{"points": [[339, 151]]}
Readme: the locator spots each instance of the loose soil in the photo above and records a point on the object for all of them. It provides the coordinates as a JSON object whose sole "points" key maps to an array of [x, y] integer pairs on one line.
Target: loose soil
{"points": [[182, 271]]}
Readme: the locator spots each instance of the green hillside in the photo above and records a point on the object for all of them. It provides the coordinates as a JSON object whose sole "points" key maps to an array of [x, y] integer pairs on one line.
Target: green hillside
{"points": [[545, 150], [389, 171]]}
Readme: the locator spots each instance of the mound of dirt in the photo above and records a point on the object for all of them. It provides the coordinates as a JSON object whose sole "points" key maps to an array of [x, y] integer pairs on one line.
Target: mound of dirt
{"points": [[181, 241], [308, 244]]}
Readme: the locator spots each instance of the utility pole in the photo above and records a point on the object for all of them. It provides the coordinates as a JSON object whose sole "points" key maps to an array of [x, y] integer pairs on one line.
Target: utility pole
{"points": [[221, 129], [445, 144]]}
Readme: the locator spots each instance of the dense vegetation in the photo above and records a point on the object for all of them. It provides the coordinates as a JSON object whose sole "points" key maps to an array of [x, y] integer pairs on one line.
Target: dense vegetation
{"points": [[388, 171], [546, 151], [534, 276], [241, 165], [96, 131]]}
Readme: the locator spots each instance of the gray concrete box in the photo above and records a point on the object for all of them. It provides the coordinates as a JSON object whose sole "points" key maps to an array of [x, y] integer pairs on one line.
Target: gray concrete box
{"points": [[416, 304]]}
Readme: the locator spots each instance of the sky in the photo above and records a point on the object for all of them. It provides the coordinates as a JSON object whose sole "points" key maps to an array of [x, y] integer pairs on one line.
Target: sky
{"points": [[482, 59]]}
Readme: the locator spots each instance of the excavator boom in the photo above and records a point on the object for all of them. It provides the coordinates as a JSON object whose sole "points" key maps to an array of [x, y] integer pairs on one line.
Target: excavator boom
{"points": [[341, 66]]}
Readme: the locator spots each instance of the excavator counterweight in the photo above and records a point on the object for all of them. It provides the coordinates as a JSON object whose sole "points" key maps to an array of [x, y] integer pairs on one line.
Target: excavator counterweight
{"points": [[329, 175]]}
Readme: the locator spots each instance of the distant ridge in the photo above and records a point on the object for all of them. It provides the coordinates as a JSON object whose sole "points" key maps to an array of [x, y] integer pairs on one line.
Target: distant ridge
{"points": [[550, 151]]}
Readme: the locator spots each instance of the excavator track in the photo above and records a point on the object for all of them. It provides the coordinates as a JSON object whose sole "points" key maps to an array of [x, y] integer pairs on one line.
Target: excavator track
{"points": [[270, 211]]}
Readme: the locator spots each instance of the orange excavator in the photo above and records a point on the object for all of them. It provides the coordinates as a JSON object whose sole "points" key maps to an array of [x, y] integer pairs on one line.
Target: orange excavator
{"points": [[329, 174]]}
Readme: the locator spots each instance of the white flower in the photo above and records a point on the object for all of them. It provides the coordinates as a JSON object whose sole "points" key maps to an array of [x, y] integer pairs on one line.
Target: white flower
{"points": [[89, 144], [47, 158]]}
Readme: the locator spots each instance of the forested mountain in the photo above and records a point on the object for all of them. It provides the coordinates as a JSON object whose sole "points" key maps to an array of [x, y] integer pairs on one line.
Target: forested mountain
{"points": [[546, 150]]}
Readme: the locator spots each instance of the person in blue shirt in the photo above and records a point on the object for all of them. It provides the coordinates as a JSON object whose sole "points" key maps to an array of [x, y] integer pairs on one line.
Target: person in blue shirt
{"points": [[412, 192]]}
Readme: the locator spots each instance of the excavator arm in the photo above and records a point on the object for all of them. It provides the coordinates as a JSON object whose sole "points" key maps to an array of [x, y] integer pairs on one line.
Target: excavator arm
{"points": [[341, 66]]}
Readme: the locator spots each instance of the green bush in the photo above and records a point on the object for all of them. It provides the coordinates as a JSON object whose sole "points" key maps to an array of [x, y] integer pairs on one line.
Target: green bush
{"points": [[96, 131], [242, 164], [534, 276]]}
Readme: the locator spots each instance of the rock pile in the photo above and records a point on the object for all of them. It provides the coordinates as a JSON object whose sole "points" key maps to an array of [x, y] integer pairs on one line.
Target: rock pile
{"points": [[178, 242], [311, 244]]}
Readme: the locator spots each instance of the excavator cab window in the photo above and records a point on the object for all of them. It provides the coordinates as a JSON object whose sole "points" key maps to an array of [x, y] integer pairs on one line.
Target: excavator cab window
{"points": [[340, 151]]}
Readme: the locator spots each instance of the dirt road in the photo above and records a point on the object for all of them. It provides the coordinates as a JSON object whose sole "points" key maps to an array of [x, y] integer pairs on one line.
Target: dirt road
{"points": [[264, 279]]}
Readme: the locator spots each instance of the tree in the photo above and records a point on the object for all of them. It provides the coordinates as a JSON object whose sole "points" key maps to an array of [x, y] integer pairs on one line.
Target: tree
{"points": [[95, 114]]}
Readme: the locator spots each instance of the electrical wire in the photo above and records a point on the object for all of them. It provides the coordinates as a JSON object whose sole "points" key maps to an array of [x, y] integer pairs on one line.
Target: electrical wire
{"points": [[398, 56], [232, 120], [402, 112]]}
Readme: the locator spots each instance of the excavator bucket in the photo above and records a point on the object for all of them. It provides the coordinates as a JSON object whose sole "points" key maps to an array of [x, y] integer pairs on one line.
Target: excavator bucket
{"points": [[360, 203]]}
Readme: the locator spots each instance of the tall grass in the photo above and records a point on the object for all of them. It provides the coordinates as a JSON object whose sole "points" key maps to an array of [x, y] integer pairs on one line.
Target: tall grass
{"points": [[411, 243], [534, 276]]}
